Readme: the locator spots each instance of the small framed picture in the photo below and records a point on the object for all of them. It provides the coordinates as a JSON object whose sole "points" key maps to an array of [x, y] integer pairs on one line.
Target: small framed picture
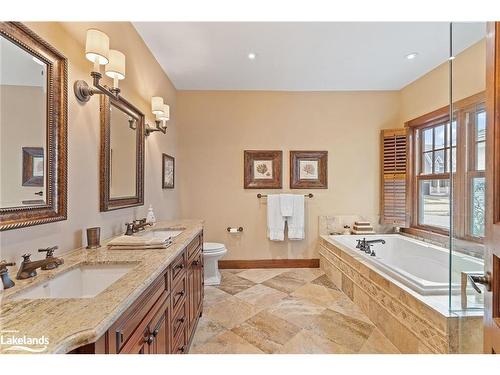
{"points": [[308, 169], [33, 166], [263, 169], [168, 171]]}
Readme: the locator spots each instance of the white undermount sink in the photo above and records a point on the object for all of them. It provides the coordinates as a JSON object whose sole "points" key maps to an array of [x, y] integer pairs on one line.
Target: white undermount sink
{"points": [[85, 281], [162, 234]]}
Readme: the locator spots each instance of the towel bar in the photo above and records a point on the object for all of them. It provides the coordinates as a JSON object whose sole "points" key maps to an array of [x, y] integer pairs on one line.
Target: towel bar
{"points": [[310, 195]]}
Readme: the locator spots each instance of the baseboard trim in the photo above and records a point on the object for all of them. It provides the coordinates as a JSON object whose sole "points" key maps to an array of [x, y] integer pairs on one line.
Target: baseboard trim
{"points": [[269, 263]]}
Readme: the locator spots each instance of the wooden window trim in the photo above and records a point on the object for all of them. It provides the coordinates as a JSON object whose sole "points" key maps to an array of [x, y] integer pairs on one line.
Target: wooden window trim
{"points": [[462, 177]]}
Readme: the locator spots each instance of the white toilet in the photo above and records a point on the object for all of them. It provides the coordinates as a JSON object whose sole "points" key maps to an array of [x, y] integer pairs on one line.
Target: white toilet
{"points": [[212, 252]]}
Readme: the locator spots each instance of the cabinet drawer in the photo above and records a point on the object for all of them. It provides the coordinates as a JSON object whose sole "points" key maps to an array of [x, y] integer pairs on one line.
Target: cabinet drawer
{"points": [[180, 341], [126, 325], [194, 246], [178, 267], [179, 321], [178, 294]]}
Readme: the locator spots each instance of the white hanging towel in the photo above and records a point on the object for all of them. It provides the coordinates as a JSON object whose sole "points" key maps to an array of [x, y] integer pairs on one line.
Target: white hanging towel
{"points": [[296, 221], [275, 220], [286, 204]]}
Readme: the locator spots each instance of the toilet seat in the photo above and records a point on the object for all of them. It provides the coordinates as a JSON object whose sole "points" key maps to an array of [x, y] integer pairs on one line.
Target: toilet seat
{"points": [[213, 247]]}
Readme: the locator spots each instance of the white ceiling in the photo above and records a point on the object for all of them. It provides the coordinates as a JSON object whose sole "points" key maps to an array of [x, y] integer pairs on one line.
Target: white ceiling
{"points": [[302, 56]]}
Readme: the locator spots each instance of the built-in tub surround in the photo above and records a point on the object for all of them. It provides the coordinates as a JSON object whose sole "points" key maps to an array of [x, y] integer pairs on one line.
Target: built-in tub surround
{"points": [[69, 323], [422, 267], [413, 322]]}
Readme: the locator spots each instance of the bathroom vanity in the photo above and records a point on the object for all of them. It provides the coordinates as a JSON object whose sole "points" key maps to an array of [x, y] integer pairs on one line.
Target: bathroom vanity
{"points": [[153, 308]]}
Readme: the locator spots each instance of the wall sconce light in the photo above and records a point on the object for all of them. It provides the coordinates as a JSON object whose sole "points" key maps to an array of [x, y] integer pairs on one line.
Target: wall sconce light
{"points": [[162, 115], [97, 51]]}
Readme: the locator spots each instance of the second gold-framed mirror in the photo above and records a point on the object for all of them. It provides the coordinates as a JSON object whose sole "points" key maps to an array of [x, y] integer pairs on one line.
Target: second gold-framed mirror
{"points": [[122, 154]]}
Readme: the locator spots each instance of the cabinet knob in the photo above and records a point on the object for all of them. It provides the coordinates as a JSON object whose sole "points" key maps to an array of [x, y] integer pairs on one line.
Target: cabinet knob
{"points": [[181, 293], [180, 266], [181, 320], [149, 339], [195, 262], [181, 349]]}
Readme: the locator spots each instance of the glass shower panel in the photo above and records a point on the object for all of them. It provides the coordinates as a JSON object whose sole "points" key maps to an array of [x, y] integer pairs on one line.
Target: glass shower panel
{"points": [[467, 181]]}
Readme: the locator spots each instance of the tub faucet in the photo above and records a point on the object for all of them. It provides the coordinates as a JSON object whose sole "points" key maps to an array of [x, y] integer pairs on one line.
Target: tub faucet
{"points": [[368, 250], [365, 245]]}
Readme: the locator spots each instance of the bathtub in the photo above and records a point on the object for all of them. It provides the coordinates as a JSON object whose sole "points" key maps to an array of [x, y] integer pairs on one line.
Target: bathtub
{"points": [[418, 265]]}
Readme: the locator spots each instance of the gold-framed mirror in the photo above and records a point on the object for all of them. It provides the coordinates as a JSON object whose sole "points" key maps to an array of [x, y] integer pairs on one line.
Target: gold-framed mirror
{"points": [[33, 129], [122, 154]]}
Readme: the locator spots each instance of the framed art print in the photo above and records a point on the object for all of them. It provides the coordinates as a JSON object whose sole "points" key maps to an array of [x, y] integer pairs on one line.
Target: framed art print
{"points": [[33, 166], [308, 169], [262, 169], [168, 171]]}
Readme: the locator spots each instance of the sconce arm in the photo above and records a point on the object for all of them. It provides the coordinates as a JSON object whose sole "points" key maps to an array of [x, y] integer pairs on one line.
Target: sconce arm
{"points": [[83, 91]]}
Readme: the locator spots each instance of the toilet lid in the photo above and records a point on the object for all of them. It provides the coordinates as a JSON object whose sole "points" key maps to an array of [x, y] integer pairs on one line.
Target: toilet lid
{"points": [[210, 247]]}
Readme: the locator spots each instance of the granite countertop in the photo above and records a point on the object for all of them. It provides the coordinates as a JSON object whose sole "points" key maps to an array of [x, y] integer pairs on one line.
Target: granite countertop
{"points": [[68, 323]]}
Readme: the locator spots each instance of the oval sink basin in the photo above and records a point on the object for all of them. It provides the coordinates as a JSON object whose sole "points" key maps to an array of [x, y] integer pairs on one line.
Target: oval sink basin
{"points": [[86, 281]]}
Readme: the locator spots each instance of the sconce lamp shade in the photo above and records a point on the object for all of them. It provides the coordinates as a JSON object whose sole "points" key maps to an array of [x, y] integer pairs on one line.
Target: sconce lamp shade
{"points": [[97, 47], [116, 66], [165, 116], [157, 105]]}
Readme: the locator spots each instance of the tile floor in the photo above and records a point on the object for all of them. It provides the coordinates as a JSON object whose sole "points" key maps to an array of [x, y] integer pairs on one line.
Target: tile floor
{"points": [[285, 311]]}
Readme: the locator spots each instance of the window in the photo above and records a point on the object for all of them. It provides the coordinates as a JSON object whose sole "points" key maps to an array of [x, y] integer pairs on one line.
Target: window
{"points": [[434, 152], [476, 122]]}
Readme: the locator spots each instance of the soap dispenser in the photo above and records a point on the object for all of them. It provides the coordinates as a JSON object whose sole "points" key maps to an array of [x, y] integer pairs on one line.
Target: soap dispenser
{"points": [[150, 218]]}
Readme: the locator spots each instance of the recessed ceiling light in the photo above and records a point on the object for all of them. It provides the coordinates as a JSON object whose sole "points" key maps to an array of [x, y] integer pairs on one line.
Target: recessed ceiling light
{"points": [[252, 56], [411, 56]]}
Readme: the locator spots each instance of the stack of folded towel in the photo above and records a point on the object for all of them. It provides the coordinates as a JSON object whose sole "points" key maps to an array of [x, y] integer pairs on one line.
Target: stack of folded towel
{"points": [[138, 243], [283, 208], [362, 227]]}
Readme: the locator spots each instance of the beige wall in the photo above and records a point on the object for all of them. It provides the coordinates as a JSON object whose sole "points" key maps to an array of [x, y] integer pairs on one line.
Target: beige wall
{"points": [[215, 128], [208, 132], [431, 91], [145, 78]]}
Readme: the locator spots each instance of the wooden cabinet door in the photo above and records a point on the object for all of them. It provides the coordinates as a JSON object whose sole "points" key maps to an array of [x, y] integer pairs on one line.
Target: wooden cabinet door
{"points": [[191, 301], [199, 284], [159, 331], [492, 235]]}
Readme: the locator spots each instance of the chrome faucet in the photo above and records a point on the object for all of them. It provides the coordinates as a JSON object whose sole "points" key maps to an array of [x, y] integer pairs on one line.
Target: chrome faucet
{"points": [[365, 245], [135, 226], [4, 274], [28, 267]]}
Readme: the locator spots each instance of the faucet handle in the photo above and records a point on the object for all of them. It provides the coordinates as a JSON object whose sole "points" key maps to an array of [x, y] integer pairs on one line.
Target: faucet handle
{"points": [[26, 258], [49, 251], [130, 229], [4, 264]]}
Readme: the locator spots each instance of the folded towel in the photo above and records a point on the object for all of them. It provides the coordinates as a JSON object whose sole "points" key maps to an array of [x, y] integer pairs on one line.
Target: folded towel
{"points": [[286, 204], [135, 241], [275, 220], [296, 221]]}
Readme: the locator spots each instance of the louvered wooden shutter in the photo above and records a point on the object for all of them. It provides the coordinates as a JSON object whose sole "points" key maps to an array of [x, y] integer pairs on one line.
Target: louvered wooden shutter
{"points": [[394, 162]]}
